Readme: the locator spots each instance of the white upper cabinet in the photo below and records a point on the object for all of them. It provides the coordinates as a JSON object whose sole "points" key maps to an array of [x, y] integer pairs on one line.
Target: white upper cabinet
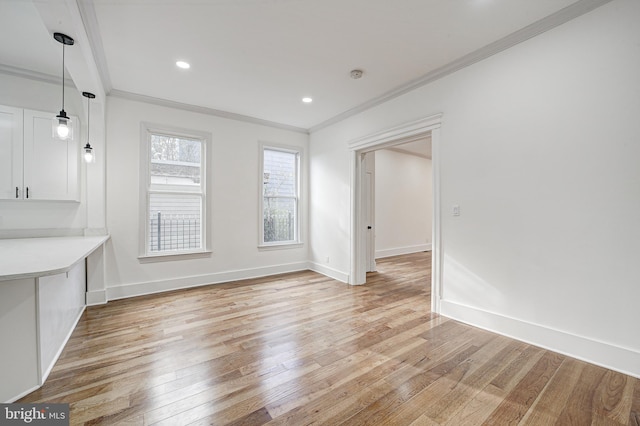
{"points": [[33, 164], [10, 152], [51, 165]]}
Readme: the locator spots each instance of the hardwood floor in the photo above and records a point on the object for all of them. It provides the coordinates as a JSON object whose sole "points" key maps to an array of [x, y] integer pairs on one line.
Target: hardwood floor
{"points": [[301, 349]]}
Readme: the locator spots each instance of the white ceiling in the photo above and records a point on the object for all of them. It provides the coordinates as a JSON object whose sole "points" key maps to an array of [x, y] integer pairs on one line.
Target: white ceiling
{"points": [[258, 58], [26, 42]]}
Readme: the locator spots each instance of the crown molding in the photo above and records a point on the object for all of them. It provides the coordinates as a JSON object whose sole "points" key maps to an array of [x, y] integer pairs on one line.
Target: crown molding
{"points": [[545, 24], [90, 22], [47, 78], [92, 29], [203, 110], [34, 75]]}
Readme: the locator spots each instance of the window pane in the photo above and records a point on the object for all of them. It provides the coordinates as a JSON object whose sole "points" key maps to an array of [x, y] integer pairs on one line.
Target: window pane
{"points": [[279, 217], [279, 173], [175, 161], [174, 222]]}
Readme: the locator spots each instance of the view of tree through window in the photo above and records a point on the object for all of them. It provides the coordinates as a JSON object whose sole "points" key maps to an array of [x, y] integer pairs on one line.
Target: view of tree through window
{"points": [[280, 196], [175, 161]]}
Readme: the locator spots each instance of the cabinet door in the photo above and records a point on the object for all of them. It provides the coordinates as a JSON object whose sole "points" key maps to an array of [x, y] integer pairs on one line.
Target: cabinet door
{"points": [[10, 153], [50, 165]]}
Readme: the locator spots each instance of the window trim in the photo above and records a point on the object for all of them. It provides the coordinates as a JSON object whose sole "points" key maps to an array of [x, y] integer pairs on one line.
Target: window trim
{"points": [[145, 189], [298, 242]]}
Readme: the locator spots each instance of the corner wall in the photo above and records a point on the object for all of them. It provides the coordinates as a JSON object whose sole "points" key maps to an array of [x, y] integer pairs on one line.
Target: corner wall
{"points": [[539, 148]]}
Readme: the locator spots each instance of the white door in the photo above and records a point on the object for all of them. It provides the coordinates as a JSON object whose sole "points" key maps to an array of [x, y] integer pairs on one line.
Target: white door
{"points": [[51, 165], [10, 153]]}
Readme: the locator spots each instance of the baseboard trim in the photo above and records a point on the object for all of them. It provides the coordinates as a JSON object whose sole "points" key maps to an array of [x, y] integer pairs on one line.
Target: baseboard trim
{"points": [[329, 272], [607, 355], [152, 287], [402, 250], [22, 394], [98, 297]]}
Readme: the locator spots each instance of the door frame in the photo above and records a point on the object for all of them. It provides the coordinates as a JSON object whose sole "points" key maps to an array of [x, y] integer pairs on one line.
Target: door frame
{"points": [[407, 132]]}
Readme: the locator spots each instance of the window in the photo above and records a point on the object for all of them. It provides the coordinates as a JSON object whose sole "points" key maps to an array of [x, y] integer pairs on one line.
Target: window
{"points": [[174, 179], [280, 196]]}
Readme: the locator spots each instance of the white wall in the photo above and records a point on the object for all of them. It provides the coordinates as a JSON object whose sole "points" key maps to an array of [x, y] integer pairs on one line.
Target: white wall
{"points": [[403, 205], [43, 218], [329, 192], [539, 147], [233, 202]]}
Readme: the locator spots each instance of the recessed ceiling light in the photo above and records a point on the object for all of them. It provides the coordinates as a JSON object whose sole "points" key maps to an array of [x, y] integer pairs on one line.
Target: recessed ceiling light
{"points": [[307, 100], [184, 65]]}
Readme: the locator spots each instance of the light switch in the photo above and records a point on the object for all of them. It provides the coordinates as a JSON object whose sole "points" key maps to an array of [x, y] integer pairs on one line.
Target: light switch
{"points": [[456, 210]]}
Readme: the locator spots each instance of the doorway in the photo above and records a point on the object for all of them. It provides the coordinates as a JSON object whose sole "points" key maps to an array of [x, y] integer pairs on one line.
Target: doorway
{"points": [[408, 132], [403, 199]]}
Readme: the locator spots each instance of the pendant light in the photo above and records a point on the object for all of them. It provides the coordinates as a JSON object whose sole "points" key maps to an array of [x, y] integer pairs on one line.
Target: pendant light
{"points": [[62, 126], [89, 156]]}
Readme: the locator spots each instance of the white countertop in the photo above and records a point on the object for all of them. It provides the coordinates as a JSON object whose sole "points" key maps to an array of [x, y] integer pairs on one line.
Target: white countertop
{"points": [[37, 257]]}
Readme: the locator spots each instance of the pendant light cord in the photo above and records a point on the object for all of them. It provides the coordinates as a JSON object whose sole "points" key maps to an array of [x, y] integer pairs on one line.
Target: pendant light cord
{"points": [[62, 76], [88, 117]]}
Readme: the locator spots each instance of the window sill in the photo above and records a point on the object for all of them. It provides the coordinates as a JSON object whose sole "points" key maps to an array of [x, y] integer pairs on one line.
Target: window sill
{"points": [[168, 257], [282, 246]]}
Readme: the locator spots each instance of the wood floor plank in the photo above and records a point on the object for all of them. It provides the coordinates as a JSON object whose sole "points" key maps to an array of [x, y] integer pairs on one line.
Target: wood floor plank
{"points": [[475, 411], [551, 403], [634, 415], [301, 348], [613, 398], [424, 420], [579, 406], [518, 401], [432, 395], [347, 396], [485, 364], [405, 392]]}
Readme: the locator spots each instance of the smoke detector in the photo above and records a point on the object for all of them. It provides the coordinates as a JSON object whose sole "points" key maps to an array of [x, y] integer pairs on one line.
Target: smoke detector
{"points": [[356, 74]]}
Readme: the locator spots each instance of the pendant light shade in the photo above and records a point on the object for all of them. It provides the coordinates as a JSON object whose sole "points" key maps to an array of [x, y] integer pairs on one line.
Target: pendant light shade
{"points": [[62, 125], [89, 156]]}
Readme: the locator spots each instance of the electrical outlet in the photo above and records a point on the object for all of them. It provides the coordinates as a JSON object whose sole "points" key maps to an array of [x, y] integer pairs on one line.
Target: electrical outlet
{"points": [[327, 260]]}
